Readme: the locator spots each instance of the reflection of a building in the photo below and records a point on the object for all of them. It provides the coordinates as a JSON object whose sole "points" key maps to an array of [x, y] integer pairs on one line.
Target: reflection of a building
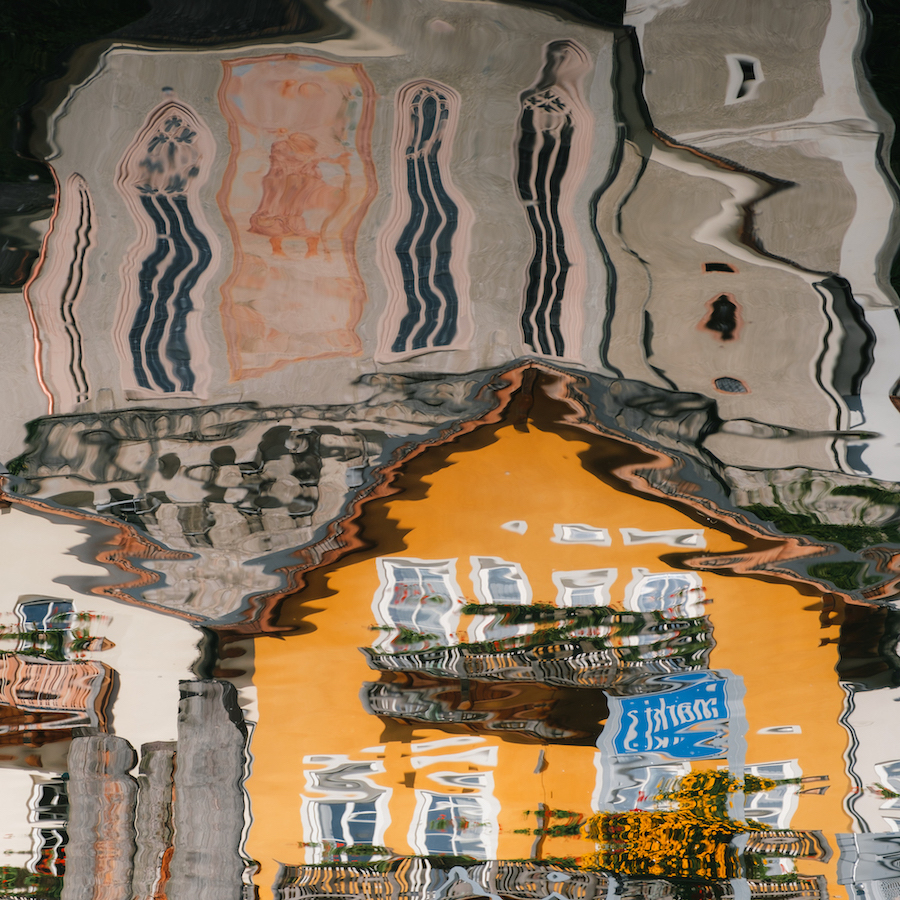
{"points": [[495, 880], [276, 268], [262, 195], [254, 178], [503, 633], [791, 103], [76, 667], [699, 292], [291, 218], [868, 669], [507, 631]]}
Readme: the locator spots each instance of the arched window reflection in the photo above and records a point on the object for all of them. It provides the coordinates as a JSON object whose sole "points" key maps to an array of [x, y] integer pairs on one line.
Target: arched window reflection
{"points": [[159, 176], [425, 244]]}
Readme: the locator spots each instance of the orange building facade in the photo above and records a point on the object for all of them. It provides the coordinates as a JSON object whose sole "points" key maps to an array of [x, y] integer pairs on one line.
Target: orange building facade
{"points": [[482, 671]]}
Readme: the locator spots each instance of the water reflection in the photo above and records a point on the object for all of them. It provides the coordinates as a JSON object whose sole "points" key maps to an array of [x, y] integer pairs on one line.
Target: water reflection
{"points": [[459, 461]]}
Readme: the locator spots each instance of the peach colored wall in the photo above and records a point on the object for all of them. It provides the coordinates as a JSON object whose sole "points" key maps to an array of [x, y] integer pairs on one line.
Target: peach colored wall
{"points": [[295, 191]]}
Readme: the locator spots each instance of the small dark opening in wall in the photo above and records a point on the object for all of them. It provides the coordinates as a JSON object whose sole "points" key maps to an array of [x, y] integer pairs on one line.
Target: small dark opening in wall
{"points": [[748, 72], [647, 335], [723, 318], [718, 267], [744, 78], [731, 386]]}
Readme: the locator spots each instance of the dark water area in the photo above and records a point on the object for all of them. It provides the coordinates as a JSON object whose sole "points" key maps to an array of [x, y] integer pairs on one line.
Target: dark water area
{"points": [[450, 450]]}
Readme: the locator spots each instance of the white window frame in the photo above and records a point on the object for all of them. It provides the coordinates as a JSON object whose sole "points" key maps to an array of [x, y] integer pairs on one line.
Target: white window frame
{"points": [[775, 808], [56, 825], [312, 807], [598, 581], [633, 781], [683, 538], [482, 566], [485, 755], [691, 606], [480, 795], [46, 625], [567, 533], [888, 773], [736, 78], [442, 570], [488, 627]]}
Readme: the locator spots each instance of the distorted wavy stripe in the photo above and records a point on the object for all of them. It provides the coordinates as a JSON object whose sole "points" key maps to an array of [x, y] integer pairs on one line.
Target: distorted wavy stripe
{"points": [[75, 280], [183, 249], [424, 247], [159, 177], [543, 160], [552, 156]]}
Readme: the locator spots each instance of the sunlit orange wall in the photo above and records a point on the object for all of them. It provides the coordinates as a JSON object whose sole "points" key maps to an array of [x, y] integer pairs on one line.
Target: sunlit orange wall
{"points": [[309, 684]]}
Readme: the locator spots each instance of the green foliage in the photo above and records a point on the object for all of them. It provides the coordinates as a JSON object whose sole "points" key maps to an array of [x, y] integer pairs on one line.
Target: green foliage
{"points": [[848, 576], [693, 633], [753, 784], [571, 827], [853, 537], [517, 615], [18, 465], [879, 495], [24, 885], [54, 644], [756, 868], [568, 619], [406, 635], [883, 792], [51, 644]]}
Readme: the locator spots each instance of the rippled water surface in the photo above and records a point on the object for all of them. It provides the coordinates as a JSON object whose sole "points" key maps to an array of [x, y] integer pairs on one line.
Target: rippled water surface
{"points": [[452, 452]]}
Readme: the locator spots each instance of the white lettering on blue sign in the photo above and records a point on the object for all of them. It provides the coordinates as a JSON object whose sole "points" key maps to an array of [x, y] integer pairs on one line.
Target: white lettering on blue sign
{"points": [[688, 721]]}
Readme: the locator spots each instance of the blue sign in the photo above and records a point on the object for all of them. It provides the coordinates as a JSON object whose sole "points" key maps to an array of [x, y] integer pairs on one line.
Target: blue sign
{"points": [[690, 721]]}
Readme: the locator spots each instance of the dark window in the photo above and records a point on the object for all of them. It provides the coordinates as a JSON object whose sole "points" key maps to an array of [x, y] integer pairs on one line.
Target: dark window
{"points": [[748, 70], [51, 801], [46, 615], [718, 267], [750, 73], [722, 317], [731, 386], [51, 851]]}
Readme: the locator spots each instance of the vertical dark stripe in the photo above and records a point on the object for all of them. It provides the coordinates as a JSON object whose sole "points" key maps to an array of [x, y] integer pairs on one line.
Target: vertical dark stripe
{"points": [[612, 280], [70, 294], [431, 299], [526, 188], [554, 314], [407, 268], [404, 244], [443, 278], [146, 277], [534, 277], [78, 361], [165, 288], [543, 160], [178, 350], [527, 143], [543, 203]]}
